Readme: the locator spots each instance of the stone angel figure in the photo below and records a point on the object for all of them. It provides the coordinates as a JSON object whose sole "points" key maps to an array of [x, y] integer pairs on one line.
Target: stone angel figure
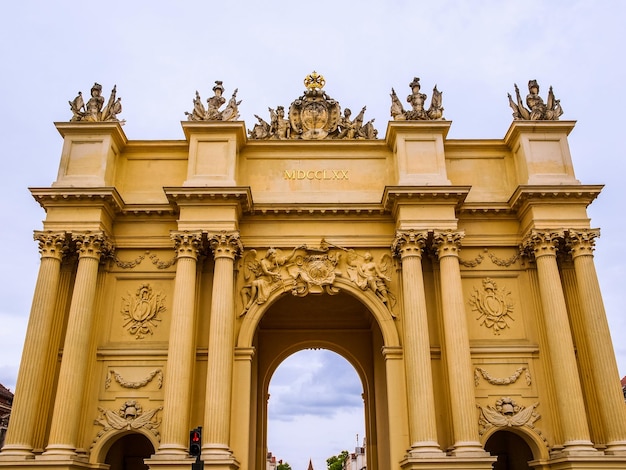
{"points": [[367, 274], [262, 276]]}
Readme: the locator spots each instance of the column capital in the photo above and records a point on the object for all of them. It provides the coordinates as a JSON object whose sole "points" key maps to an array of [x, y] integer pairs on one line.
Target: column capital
{"points": [[543, 242], [51, 244], [187, 244], [409, 243], [225, 244], [448, 242], [91, 244], [582, 242]]}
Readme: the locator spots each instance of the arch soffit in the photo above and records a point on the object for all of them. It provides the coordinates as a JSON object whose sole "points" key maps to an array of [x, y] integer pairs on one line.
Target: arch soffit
{"points": [[376, 307], [104, 443], [536, 442]]}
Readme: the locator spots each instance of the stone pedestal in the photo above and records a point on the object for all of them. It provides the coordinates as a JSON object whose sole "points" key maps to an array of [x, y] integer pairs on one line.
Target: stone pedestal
{"points": [[90, 151], [541, 152], [213, 152], [418, 151]]}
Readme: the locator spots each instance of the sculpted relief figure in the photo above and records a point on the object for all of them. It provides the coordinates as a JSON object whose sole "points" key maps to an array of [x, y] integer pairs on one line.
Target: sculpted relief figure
{"points": [[262, 276], [93, 111], [212, 111], [417, 100], [537, 110], [367, 274]]}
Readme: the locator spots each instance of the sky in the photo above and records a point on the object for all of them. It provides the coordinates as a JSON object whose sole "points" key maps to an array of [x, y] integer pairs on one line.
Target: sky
{"points": [[159, 53]]}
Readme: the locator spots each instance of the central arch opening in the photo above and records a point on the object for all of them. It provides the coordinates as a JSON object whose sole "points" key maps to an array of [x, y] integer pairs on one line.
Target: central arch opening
{"points": [[315, 409], [319, 362]]}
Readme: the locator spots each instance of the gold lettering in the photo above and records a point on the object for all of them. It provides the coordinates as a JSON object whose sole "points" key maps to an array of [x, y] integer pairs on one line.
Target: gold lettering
{"points": [[291, 176], [301, 174], [315, 174]]}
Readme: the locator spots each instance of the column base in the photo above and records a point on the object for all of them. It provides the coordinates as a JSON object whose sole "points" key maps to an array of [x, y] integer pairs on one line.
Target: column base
{"points": [[575, 448], [448, 463], [219, 458], [469, 449], [600, 462], [166, 461], [612, 448], [425, 450], [16, 453]]}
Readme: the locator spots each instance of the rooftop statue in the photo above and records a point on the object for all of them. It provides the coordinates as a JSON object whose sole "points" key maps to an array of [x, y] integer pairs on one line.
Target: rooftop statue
{"points": [[537, 110], [417, 99], [93, 111], [313, 116], [212, 111]]}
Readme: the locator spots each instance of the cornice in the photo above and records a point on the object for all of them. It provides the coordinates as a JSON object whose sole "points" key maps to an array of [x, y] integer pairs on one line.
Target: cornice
{"points": [[394, 128], [518, 127], [237, 128], [486, 210], [114, 129], [526, 195], [67, 197], [211, 195], [436, 195]]}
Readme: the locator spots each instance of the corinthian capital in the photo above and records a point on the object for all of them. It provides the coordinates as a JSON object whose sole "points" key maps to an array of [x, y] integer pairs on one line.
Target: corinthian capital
{"points": [[225, 244], [409, 243], [91, 244], [582, 242], [447, 243], [187, 243], [543, 242], [51, 244]]}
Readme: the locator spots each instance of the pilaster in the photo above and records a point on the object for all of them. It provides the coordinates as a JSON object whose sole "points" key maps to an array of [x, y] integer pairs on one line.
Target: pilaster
{"points": [[26, 405], [409, 246], [570, 403], [71, 383], [604, 369], [216, 450], [457, 347], [181, 351]]}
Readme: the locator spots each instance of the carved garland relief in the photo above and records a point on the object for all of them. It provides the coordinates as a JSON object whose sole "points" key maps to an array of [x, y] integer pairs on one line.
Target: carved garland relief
{"points": [[158, 373], [478, 372], [141, 311]]}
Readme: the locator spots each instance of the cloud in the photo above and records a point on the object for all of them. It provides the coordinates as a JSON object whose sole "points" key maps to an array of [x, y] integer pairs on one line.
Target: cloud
{"points": [[314, 382]]}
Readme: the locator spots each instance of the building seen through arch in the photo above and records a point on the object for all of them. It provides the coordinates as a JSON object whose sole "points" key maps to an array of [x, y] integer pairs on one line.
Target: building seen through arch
{"points": [[455, 276]]}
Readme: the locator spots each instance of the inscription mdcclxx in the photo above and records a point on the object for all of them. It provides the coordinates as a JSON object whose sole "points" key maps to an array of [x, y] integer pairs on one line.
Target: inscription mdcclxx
{"points": [[315, 174]]}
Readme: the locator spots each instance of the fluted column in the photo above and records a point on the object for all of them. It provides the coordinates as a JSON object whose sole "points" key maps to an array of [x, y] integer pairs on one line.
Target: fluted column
{"points": [[28, 391], [181, 348], [600, 348], [68, 407], [457, 347], [570, 404], [226, 246], [409, 247]]}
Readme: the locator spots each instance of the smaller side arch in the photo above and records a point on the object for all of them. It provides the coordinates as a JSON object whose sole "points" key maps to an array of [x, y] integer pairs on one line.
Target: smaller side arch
{"points": [[535, 441], [103, 444]]}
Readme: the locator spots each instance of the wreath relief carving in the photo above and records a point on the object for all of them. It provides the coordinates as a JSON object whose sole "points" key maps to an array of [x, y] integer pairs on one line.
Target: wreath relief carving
{"points": [[493, 306], [141, 311], [142, 383], [478, 371]]}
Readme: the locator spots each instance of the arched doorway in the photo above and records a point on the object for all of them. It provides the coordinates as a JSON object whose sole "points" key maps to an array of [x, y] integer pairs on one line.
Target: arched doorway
{"points": [[512, 451], [346, 323], [129, 452], [315, 408]]}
